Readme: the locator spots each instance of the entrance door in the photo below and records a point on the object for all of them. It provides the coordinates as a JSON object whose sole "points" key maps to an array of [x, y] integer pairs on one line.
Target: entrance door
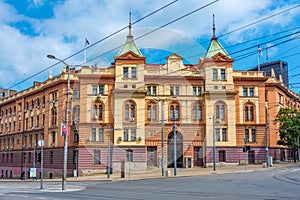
{"points": [[198, 156], [152, 156], [179, 150], [251, 158]]}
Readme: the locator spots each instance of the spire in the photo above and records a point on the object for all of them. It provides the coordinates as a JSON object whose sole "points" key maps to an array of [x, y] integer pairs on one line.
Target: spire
{"points": [[214, 28], [215, 47], [129, 26], [130, 44]]}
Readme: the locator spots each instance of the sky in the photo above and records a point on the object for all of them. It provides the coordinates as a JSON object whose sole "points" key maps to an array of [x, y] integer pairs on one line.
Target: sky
{"points": [[32, 29]]}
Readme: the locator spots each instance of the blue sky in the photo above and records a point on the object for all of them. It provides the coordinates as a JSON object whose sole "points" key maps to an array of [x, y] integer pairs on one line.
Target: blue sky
{"points": [[31, 29]]}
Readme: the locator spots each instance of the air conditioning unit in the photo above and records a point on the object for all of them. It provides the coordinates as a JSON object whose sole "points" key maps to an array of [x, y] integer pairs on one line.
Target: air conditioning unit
{"points": [[132, 119], [139, 138], [52, 144], [25, 110]]}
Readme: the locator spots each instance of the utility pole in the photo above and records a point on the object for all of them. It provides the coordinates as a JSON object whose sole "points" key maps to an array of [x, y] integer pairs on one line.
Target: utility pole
{"points": [[108, 151], [162, 139], [175, 148], [214, 142]]}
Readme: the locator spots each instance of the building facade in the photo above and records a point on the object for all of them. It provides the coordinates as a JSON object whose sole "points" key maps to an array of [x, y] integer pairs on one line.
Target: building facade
{"points": [[137, 112]]}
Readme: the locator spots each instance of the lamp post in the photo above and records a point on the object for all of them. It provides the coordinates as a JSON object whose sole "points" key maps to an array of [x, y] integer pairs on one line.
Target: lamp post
{"points": [[162, 139], [267, 136], [175, 148], [108, 151], [64, 175], [214, 142]]}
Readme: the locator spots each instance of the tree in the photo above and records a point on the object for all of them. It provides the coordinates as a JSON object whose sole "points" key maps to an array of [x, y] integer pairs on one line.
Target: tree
{"points": [[289, 130]]}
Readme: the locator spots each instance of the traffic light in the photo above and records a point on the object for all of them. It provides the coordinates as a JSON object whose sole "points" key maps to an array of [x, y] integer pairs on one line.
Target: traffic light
{"points": [[39, 157], [246, 148]]}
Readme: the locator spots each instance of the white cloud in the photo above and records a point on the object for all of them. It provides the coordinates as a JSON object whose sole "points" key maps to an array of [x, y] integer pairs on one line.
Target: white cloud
{"points": [[96, 19]]}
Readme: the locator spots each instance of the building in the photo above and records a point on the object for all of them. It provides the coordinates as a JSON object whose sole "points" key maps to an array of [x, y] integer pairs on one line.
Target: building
{"points": [[146, 114], [280, 69], [6, 92]]}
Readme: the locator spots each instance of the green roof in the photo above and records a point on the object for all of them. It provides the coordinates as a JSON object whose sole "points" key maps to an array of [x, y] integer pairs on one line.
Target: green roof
{"points": [[214, 48], [130, 46]]}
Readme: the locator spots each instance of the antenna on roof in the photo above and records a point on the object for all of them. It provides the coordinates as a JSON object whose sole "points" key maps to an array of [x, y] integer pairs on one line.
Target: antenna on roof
{"points": [[129, 26], [214, 28]]}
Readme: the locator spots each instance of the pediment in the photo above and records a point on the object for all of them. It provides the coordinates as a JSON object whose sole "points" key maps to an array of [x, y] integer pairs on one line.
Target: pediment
{"points": [[129, 55], [174, 56], [219, 57]]}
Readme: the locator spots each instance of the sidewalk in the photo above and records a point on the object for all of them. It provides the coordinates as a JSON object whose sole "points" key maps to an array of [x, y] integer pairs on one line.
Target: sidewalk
{"points": [[181, 172]]}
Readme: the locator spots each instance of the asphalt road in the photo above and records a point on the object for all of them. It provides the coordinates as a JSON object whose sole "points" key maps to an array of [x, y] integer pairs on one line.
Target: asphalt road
{"points": [[277, 183]]}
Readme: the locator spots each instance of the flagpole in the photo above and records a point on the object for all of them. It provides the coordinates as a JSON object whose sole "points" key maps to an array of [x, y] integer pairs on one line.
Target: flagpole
{"points": [[84, 59], [258, 60]]}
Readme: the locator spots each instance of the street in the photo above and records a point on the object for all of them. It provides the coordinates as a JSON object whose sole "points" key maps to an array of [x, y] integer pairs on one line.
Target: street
{"points": [[276, 183]]}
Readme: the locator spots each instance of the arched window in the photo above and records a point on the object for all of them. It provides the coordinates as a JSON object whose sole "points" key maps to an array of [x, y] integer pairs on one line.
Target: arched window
{"points": [[220, 111], [249, 112], [76, 114], [149, 112], [100, 112], [217, 112], [129, 111], [152, 111], [197, 111], [95, 111], [174, 109]]}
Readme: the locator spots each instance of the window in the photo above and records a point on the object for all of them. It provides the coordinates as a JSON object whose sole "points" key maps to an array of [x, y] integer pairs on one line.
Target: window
{"points": [[97, 157], [224, 134], [197, 112], [223, 75], [217, 132], [125, 72], [251, 92], [151, 90], [101, 89], [129, 111], [76, 94], [152, 111], [133, 72], [75, 160], [222, 156], [129, 155], [177, 90], [37, 121], [215, 74], [249, 112], [246, 135], [220, 111], [76, 136], [94, 90], [101, 134], [253, 135], [245, 92], [100, 112], [125, 134], [172, 90], [93, 134], [133, 134]]}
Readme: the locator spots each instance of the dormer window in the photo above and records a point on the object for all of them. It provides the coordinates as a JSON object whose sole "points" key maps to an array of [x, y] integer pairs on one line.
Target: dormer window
{"points": [[125, 72]]}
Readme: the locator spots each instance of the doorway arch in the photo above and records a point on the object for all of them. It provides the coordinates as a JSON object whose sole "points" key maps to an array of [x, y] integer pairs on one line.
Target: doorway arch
{"points": [[179, 149]]}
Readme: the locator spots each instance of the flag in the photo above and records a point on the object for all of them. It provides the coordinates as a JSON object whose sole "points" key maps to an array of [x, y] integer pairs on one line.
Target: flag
{"points": [[87, 42], [259, 50]]}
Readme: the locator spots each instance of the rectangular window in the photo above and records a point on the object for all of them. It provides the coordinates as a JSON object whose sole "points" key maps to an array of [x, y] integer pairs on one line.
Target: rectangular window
{"points": [[75, 157], [253, 135], [75, 94], [37, 121], [97, 157], [215, 74], [224, 134], [51, 157], [246, 135], [148, 90], [177, 90], [222, 156], [172, 90], [133, 72], [93, 134], [94, 90], [129, 155], [101, 89], [245, 91], [251, 92], [154, 90], [133, 134], [223, 75], [199, 91], [101, 134], [194, 91], [125, 72], [217, 132], [125, 134]]}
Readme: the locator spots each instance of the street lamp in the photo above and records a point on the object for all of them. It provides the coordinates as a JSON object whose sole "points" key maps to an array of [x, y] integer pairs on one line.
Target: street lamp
{"points": [[64, 176], [214, 142], [267, 132]]}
